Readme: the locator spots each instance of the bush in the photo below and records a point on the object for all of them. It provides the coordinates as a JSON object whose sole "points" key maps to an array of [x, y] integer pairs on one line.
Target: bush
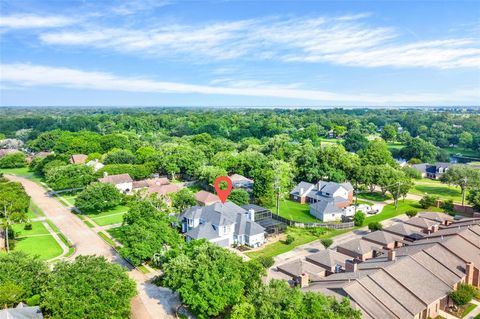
{"points": [[412, 172], [326, 242], [317, 231], [373, 226], [447, 206], [411, 213], [427, 201], [359, 218], [28, 226], [13, 160], [290, 239], [463, 294], [33, 300], [266, 261]]}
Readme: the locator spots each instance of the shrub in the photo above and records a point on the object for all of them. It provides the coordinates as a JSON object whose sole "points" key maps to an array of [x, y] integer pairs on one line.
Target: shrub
{"points": [[427, 201], [28, 226], [290, 239], [463, 294], [266, 261], [13, 160], [326, 242], [317, 231], [373, 226], [359, 218], [447, 206], [411, 213]]}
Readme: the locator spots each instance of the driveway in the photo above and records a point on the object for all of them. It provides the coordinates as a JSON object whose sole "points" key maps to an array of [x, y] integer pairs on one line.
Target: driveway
{"points": [[152, 301]]}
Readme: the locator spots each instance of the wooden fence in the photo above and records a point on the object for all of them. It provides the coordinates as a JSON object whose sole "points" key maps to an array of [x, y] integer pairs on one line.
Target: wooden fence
{"points": [[294, 223]]}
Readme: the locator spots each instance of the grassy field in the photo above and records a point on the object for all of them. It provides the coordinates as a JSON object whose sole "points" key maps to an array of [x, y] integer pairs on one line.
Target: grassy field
{"points": [[116, 233], [46, 247], [22, 171], [395, 145], [403, 206], [295, 211], [111, 216], [463, 151], [302, 236], [375, 196], [37, 229], [436, 188]]}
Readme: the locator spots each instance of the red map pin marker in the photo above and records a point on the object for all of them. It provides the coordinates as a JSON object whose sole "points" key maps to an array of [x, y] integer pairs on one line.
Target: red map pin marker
{"points": [[223, 193]]}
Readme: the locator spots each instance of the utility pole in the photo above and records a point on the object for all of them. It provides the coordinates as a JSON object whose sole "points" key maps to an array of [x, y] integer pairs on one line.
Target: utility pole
{"points": [[6, 229], [398, 194], [277, 188]]}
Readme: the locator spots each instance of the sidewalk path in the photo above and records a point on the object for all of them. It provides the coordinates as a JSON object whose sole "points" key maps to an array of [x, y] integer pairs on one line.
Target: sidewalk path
{"points": [[152, 302]]}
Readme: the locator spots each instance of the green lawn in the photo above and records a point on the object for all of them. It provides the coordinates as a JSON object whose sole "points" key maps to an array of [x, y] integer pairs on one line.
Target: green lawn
{"points": [[302, 236], [22, 171], [463, 151], [395, 145], [111, 216], [37, 229], [46, 247], [70, 198], [375, 196], [296, 211], [436, 188], [30, 213], [116, 233], [107, 239], [469, 308], [389, 210]]}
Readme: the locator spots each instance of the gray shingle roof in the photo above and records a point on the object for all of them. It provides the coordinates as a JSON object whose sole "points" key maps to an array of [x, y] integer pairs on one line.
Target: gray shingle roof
{"points": [[360, 246], [205, 230], [21, 312], [382, 237], [328, 258], [307, 187]]}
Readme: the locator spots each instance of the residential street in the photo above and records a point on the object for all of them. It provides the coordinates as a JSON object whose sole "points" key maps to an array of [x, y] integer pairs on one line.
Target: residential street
{"points": [[152, 301]]}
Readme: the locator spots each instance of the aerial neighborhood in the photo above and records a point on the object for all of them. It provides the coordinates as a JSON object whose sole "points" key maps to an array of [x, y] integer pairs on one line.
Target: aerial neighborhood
{"points": [[369, 222]]}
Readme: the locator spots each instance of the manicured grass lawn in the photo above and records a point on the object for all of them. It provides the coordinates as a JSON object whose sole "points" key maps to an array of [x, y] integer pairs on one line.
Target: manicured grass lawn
{"points": [[395, 145], [295, 211], [37, 229], [22, 171], [30, 213], [70, 198], [375, 196], [469, 308], [436, 188], [45, 247], [403, 206], [463, 151], [116, 233], [106, 239], [111, 216], [302, 236]]}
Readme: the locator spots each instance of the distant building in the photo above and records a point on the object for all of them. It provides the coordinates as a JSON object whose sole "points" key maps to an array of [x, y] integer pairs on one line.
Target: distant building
{"points": [[95, 165], [123, 182], [223, 224], [205, 198], [78, 159], [432, 171], [240, 181], [328, 201], [7, 151], [21, 312]]}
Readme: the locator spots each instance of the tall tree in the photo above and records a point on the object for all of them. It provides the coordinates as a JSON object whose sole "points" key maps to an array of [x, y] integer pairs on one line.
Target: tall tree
{"points": [[463, 176]]}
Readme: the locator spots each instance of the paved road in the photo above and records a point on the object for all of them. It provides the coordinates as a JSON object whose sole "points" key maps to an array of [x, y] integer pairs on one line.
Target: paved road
{"points": [[152, 302]]}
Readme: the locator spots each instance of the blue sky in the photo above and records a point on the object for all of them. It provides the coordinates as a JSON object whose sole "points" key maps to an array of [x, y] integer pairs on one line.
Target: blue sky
{"points": [[239, 53]]}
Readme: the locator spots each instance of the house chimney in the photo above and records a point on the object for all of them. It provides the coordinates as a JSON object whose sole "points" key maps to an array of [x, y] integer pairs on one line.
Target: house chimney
{"points": [[303, 279], [469, 270], [301, 191], [434, 228], [351, 265], [251, 214], [105, 174], [392, 255]]}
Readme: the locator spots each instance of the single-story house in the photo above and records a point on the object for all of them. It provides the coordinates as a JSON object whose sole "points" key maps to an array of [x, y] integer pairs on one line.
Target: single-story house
{"points": [[205, 198], [163, 190], [21, 311], [78, 159], [239, 181], [328, 201], [123, 182], [145, 183], [223, 224]]}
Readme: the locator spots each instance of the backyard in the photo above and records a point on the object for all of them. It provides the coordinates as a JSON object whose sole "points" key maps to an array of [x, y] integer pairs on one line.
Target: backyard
{"points": [[111, 216], [436, 188], [295, 211]]}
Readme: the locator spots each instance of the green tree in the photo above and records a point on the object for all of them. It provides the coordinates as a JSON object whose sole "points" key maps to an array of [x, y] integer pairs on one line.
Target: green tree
{"points": [[374, 226], [428, 201], [13, 160], [359, 218], [239, 197], [183, 199], [465, 139], [326, 242], [418, 148], [89, 287], [98, 197], [463, 294], [376, 153], [135, 171], [27, 275], [355, 141], [464, 176], [69, 176], [208, 174], [389, 132], [411, 213], [473, 198], [120, 156]]}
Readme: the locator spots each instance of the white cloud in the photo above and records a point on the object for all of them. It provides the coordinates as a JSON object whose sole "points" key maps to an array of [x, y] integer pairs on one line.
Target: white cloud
{"points": [[29, 21], [38, 75]]}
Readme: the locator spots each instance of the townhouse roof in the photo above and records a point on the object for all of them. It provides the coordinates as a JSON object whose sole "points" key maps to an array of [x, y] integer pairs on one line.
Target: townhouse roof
{"points": [[297, 267], [328, 258], [206, 197], [382, 237], [116, 179], [421, 222], [440, 217], [405, 230], [360, 246]]}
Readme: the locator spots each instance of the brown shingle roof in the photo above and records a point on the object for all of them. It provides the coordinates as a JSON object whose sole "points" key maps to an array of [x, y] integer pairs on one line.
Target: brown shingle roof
{"points": [[78, 158], [164, 189], [206, 197]]}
